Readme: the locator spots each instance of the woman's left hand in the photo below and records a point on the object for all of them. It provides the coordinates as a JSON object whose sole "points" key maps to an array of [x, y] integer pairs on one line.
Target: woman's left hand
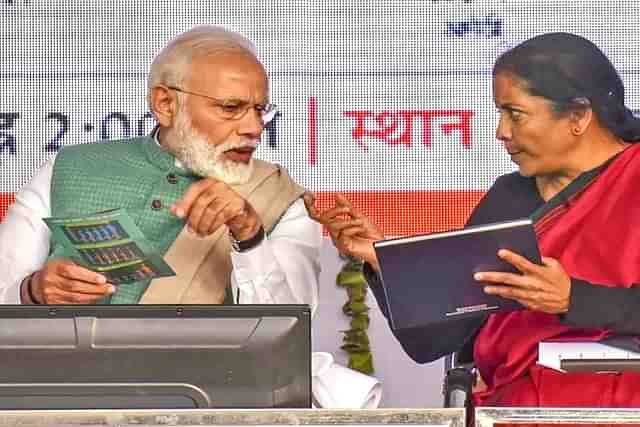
{"points": [[545, 288]]}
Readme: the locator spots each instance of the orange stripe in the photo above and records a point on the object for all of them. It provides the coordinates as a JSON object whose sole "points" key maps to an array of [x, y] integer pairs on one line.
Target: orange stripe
{"points": [[401, 213], [5, 200]]}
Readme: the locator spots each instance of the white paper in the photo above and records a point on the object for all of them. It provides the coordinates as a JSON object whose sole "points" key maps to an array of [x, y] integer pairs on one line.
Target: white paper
{"points": [[551, 354]]}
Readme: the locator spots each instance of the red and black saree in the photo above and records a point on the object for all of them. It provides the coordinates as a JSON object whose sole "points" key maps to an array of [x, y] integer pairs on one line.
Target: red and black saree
{"points": [[593, 228]]}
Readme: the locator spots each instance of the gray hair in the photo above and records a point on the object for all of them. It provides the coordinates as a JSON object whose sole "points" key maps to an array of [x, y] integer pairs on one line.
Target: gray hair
{"points": [[171, 66]]}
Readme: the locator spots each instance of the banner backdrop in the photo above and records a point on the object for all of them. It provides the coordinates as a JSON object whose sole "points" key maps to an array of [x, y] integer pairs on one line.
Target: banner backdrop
{"points": [[388, 101]]}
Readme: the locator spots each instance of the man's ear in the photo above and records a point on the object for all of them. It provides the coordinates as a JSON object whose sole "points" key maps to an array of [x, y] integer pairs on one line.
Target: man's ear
{"points": [[164, 105]]}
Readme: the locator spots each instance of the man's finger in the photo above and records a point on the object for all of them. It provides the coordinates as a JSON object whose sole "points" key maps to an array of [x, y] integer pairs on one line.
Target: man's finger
{"points": [[213, 214], [201, 208], [61, 296], [183, 207], [223, 217], [72, 271], [78, 287]]}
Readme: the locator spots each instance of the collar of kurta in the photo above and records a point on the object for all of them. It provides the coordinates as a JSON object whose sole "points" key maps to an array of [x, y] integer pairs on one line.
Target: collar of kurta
{"points": [[161, 158]]}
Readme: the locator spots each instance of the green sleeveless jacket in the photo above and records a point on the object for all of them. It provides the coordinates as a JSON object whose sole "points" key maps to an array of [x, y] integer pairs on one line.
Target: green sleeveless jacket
{"points": [[134, 174]]}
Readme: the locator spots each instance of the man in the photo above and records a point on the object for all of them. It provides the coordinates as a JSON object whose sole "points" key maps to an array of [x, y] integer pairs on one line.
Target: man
{"points": [[235, 229]]}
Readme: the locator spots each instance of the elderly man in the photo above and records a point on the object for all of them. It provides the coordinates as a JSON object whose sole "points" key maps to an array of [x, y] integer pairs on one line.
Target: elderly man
{"points": [[233, 228]]}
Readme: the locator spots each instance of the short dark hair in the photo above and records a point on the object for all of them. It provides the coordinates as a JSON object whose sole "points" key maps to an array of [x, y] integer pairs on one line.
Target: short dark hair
{"points": [[573, 74]]}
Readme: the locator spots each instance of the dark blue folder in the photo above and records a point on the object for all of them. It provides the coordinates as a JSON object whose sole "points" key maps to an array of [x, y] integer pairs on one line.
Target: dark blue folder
{"points": [[429, 278]]}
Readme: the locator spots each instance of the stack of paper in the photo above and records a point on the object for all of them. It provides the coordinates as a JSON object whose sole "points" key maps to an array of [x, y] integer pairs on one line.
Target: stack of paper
{"points": [[587, 356]]}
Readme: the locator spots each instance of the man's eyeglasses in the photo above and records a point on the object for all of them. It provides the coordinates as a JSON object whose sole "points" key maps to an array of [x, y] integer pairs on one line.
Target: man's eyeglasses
{"points": [[235, 109]]}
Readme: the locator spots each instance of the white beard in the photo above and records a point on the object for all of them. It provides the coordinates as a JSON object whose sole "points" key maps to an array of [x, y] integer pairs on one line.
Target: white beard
{"points": [[195, 153]]}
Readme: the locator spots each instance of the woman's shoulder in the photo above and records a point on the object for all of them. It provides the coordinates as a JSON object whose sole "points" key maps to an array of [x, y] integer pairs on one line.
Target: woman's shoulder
{"points": [[511, 196], [513, 183]]}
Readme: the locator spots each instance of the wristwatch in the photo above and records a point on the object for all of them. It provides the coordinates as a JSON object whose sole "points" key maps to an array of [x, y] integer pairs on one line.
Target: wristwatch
{"points": [[245, 245]]}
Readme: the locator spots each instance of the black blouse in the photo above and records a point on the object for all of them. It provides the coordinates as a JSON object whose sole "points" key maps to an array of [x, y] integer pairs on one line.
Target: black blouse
{"points": [[511, 197]]}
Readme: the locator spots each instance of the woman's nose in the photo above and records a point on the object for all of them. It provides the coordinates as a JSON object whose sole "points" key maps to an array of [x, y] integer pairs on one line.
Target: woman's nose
{"points": [[503, 131]]}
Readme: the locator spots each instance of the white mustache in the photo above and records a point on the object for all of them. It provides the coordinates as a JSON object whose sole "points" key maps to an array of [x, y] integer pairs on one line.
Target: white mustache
{"points": [[232, 145]]}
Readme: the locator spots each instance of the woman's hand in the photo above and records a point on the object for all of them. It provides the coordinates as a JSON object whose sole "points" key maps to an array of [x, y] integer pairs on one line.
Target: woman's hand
{"points": [[545, 288], [352, 232]]}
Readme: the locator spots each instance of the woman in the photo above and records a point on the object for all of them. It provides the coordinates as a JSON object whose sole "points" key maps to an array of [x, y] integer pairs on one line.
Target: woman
{"points": [[564, 124]]}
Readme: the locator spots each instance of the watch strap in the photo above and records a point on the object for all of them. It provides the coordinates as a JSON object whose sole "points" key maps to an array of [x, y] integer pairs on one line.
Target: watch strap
{"points": [[245, 245]]}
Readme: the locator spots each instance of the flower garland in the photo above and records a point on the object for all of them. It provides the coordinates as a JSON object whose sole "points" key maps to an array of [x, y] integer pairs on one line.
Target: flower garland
{"points": [[356, 340]]}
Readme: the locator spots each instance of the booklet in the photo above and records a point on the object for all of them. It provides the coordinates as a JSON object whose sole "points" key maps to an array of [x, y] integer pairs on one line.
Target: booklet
{"points": [[109, 243], [429, 278]]}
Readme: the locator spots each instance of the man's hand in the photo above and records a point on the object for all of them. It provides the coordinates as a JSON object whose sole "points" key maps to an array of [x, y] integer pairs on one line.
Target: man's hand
{"points": [[61, 281], [352, 232], [545, 288], [210, 203]]}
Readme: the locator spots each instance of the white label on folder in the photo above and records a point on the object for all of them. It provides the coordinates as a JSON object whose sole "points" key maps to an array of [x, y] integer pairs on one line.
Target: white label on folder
{"points": [[471, 309]]}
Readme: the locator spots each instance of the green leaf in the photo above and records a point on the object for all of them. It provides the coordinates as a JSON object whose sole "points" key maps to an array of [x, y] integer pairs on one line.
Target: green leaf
{"points": [[346, 308], [355, 340], [362, 362], [356, 293], [350, 278], [355, 335], [354, 308], [355, 348], [358, 307], [361, 322], [353, 265]]}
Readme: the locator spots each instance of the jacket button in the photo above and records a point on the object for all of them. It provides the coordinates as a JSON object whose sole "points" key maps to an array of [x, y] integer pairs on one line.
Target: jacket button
{"points": [[172, 178], [156, 204]]}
